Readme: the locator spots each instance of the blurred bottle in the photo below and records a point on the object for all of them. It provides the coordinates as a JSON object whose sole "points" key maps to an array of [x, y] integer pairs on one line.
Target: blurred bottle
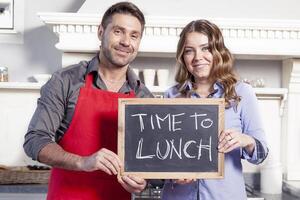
{"points": [[259, 82], [246, 80], [3, 74]]}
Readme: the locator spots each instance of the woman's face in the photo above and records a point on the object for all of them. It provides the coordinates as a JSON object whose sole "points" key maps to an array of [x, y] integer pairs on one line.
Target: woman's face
{"points": [[197, 56]]}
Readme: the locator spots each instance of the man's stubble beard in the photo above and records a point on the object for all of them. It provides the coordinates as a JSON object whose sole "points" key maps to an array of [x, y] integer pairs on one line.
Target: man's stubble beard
{"points": [[114, 61]]}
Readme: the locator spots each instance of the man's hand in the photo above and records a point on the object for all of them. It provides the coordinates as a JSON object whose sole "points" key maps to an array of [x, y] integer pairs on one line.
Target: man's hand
{"points": [[104, 160], [132, 184]]}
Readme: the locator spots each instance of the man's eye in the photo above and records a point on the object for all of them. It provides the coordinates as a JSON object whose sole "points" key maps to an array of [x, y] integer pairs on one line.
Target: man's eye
{"points": [[117, 31], [134, 37]]}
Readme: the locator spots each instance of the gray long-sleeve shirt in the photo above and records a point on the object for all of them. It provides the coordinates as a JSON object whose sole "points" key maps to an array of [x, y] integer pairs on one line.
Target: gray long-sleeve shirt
{"points": [[56, 106]]}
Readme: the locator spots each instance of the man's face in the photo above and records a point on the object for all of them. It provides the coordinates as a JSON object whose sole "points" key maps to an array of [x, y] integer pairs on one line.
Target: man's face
{"points": [[120, 40]]}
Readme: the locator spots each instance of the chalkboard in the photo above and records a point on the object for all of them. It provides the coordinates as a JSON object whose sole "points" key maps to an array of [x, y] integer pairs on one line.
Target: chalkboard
{"points": [[170, 138]]}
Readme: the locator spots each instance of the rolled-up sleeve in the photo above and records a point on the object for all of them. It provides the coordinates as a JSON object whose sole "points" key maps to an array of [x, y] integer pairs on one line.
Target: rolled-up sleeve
{"points": [[259, 154], [252, 125], [46, 118]]}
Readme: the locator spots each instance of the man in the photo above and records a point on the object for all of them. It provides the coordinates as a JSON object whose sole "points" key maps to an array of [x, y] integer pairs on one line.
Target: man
{"points": [[74, 128]]}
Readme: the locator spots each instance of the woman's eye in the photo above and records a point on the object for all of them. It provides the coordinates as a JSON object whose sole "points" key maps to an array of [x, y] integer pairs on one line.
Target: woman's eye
{"points": [[205, 48], [188, 51]]}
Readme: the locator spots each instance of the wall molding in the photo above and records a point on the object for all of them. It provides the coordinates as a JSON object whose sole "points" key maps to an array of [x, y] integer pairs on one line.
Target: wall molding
{"points": [[246, 38]]}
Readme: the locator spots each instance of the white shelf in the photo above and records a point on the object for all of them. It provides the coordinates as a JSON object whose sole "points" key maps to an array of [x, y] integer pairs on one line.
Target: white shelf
{"points": [[21, 85], [260, 92], [278, 94], [281, 92]]}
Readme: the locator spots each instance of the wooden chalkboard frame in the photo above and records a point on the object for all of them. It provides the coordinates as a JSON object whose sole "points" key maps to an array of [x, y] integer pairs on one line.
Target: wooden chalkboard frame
{"points": [[170, 101]]}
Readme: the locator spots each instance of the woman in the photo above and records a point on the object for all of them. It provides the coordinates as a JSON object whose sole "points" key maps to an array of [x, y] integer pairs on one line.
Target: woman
{"points": [[205, 70]]}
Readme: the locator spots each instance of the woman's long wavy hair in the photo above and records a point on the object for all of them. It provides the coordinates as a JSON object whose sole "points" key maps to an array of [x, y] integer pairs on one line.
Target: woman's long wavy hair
{"points": [[222, 66]]}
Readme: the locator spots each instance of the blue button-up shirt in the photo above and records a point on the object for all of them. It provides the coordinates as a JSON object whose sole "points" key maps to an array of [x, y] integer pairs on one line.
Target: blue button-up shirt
{"points": [[243, 117]]}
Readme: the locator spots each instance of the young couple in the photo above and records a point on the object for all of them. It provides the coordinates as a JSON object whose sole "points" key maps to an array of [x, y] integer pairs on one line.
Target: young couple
{"points": [[74, 128]]}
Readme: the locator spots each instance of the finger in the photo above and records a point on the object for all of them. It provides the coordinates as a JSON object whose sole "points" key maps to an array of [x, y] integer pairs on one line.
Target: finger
{"points": [[131, 185], [137, 185], [178, 180], [230, 145], [181, 182], [222, 135], [185, 181], [104, 168], [102, 160], [130, 182], [226, 138], [124, 185], [112, 163], [224, 145], [230, 148], [189, 181], [226, 133], [222, 149], [113, 155], [120, 180], [137, 179]]}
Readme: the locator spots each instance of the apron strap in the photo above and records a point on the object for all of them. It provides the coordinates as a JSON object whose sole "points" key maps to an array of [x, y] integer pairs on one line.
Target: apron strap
{"points": [[89, 80]]}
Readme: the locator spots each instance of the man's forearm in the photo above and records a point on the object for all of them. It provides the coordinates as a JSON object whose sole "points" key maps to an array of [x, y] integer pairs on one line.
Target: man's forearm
{"points": [[52, 154]]}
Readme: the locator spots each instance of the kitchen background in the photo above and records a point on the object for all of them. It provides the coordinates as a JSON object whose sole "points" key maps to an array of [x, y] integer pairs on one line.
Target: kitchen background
{"points": [[263, 35]]}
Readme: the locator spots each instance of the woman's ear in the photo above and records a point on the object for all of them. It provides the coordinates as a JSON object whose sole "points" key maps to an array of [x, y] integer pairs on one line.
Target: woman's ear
{"points": [[100, 32]]}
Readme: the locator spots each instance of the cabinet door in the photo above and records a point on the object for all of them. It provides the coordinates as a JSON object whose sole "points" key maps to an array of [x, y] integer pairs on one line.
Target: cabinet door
{"points": [[16, 108], [270, 115]]}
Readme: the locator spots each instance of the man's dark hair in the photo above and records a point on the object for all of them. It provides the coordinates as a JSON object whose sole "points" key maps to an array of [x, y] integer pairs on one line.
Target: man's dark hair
{"points": [[123, 8]]}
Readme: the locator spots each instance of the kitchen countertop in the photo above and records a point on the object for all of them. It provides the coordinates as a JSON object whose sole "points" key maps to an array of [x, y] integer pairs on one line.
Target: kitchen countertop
{"points": [[38, 192]]}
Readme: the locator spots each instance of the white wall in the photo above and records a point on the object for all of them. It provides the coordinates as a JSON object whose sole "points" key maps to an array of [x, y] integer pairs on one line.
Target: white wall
{"points": [[269, 70], [37, 54], [267, 9]]}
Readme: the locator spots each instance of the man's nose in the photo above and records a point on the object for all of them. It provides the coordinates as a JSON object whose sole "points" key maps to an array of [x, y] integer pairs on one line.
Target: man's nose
{"points": [[125, 40]]}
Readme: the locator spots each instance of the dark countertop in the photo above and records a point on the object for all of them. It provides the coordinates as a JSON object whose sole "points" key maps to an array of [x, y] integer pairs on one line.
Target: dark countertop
{"points": [[24, 188], [38, 191]]}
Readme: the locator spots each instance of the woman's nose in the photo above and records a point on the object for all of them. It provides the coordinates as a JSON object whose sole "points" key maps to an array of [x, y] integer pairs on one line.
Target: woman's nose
{"points": [[198, 55]]}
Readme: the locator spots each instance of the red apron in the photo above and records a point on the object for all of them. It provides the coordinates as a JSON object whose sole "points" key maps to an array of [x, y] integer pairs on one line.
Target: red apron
{"points": [[94, 126]]}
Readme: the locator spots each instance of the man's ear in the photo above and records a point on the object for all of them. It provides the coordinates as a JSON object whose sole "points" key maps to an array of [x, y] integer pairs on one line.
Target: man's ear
{"points": [[100, 32]]}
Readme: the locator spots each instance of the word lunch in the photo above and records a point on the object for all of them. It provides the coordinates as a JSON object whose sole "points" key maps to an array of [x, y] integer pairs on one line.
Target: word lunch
{"points": [[173, 122]]}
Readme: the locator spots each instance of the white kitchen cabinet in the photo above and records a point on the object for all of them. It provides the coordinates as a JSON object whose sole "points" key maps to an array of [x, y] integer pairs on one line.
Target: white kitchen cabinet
{"points": [[17, 104]]}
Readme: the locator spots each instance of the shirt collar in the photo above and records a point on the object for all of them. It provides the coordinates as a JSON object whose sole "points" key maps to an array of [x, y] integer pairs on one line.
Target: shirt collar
{"points": [[216, 93], [133, 80]]}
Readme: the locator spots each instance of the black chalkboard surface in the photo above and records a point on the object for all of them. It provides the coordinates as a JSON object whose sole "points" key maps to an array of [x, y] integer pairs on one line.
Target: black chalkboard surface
{"points": [[171, 138]]}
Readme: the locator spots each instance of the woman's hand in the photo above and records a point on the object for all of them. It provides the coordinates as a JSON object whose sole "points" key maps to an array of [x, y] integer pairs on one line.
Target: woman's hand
{"points": [[184, 181], [231, 139]]}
